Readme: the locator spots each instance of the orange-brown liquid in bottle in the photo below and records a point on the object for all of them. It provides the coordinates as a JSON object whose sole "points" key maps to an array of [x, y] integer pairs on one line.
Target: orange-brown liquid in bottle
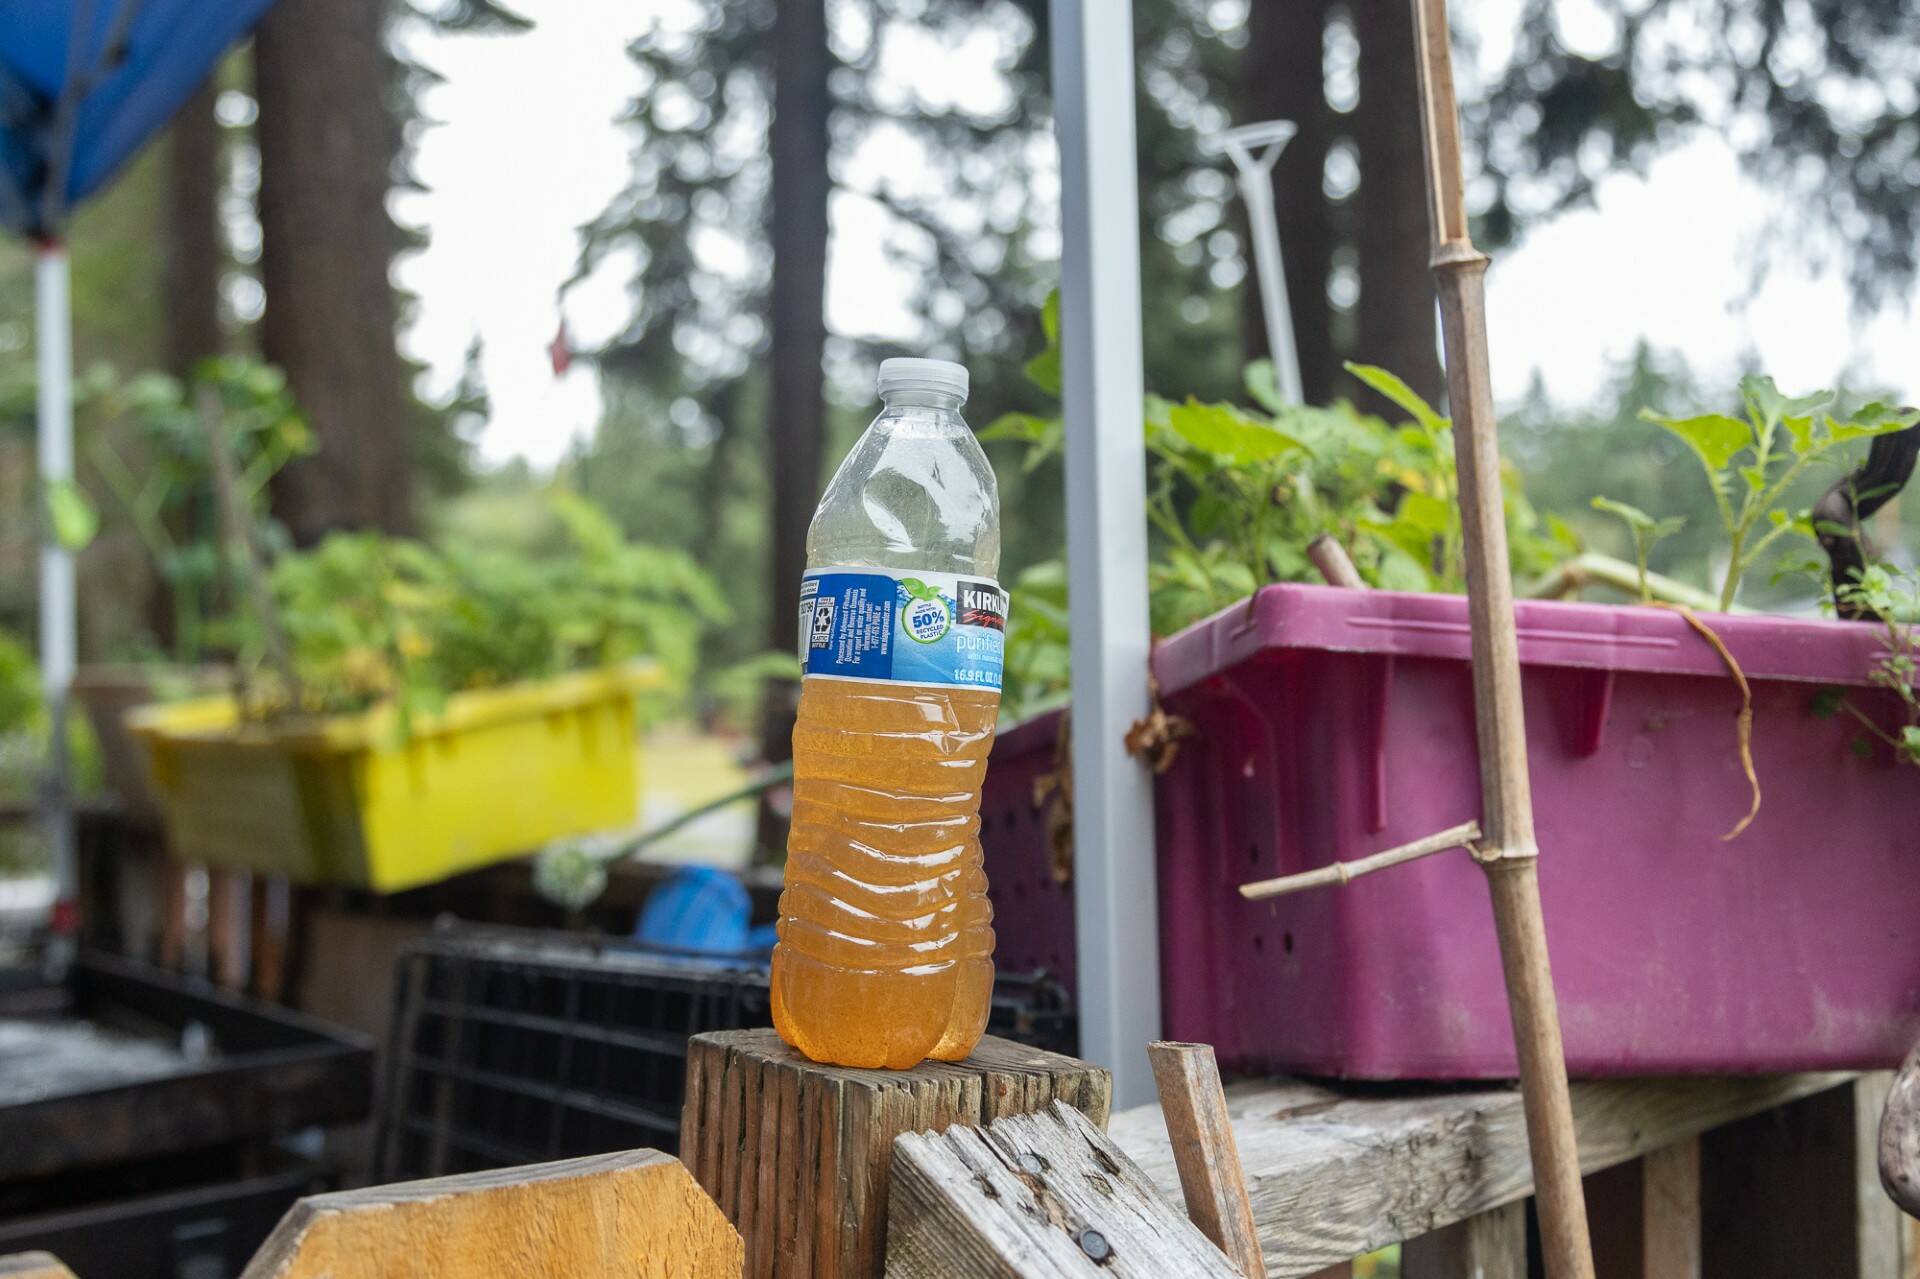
{"points": [[886, 934]]}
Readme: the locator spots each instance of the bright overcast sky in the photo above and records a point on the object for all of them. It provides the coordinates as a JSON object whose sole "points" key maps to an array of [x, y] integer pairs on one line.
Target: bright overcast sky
{"points": [[527, 149]]}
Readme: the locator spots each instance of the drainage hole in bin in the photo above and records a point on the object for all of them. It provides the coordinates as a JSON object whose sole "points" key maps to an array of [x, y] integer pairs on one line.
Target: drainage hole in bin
{"points": [[1286, 942], [1259, 943], [1253, 854]]}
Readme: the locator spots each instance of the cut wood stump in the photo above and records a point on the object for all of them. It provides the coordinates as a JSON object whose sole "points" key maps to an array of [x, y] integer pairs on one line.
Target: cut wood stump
{"points": [[636, 1215], [797, 1154], [1031, 1195]]}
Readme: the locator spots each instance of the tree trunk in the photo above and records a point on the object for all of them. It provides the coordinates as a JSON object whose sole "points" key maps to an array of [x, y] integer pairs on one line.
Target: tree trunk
{"points": [[329, 146], [194, 259], [1283, 78], [802, 108], [1396, 327]]}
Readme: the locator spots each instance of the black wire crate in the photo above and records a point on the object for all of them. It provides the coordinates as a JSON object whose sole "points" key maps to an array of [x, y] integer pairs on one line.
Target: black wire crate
{"points": [[514, 1046]]}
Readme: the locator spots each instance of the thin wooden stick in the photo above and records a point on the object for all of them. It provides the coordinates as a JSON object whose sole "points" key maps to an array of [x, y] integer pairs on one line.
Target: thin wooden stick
{"points": [[1333, 563], [1509, 854], [1462, 836], [1211, 1179]]}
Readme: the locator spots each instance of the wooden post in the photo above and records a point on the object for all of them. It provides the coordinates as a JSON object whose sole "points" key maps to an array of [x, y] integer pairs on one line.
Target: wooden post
{"points": [[1492, 1245], [1796, 1191], [1509, 853], [1210, 1177], [797, 1154], [1646, 1215], [636, 1215], [1040, 1196]]}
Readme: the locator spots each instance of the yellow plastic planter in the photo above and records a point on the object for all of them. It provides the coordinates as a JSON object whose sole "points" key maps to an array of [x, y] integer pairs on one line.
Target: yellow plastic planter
{"points": [[349, 800]]}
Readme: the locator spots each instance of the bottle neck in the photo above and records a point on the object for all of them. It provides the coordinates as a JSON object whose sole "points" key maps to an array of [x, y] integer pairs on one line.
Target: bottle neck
{"points": [[917, 399]]}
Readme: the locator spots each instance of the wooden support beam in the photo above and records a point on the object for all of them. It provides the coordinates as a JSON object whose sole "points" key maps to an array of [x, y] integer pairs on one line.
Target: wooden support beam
{"points": [[1646, 1215], [1215, 1190], [1795, 1192], [1492, 1245], [1035, 1196], [1331, 1177], [636, 1215], [33, 1265], [796, 1154]]}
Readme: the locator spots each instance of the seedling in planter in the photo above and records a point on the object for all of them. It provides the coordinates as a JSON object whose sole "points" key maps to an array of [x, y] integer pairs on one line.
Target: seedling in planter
{"points": [[1893, 596], [1645, 530], [1752, 463]]}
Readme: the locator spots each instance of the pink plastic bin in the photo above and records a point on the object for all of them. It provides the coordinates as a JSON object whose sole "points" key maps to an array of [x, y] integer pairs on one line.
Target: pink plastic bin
{"points": [[1335, 723]]}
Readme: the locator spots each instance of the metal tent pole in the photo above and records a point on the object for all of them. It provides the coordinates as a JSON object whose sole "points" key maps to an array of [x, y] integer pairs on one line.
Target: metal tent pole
{"points": [[1115, 894], [54, 366], [1254, 176]]}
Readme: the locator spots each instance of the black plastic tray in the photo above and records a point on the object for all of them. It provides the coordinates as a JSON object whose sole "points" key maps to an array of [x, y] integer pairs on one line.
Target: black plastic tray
{"points": [[119, 1061]]}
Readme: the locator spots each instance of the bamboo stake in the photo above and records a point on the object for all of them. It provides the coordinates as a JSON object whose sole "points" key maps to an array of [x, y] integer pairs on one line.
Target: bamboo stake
{"points": [[1465, 835], [1331, 559], [1509, 853], [1211, 1178]]}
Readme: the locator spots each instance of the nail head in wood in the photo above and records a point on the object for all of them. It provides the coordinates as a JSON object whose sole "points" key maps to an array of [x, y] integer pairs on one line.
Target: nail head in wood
{"points": [[964, 1205]]}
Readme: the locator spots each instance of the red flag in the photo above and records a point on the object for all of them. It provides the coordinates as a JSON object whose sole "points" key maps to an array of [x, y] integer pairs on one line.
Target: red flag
{"points": [[561, 350]]}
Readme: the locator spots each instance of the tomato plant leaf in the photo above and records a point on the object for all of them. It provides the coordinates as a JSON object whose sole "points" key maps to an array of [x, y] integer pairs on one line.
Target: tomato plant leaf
{"points": [[1409, 400], [1714, 437], [1227, 433]]}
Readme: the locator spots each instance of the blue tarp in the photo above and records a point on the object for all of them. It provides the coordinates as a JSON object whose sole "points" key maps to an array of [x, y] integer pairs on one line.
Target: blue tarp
{"points": [[72, 113]]}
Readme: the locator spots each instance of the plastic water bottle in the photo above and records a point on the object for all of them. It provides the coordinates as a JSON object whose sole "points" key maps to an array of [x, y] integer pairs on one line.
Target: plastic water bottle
{"points": [[885, 955]]}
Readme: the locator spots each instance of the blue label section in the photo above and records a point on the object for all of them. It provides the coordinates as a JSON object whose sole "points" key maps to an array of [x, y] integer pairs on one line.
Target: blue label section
{"points": [[903, 627]]}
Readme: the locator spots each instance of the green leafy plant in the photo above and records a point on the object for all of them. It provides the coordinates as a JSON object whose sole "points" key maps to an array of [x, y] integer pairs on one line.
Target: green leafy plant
{"points": [[372, 620], [161, 476], [1893, 595], [1235, 494], [1752, 462], [1646, 532]]}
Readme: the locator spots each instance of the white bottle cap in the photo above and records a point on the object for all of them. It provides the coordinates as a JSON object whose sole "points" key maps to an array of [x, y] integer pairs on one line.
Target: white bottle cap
{"points": [[942, 377]]}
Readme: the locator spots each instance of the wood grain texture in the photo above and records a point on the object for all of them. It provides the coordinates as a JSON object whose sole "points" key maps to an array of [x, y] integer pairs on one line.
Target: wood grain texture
{"points": [[797, 1154], [1034, 1197], [1492, 1245], [635, 1215], [1195, 1109], [1899, 1140], [1646, 1215], [33, 1265], [1331, 1176]]}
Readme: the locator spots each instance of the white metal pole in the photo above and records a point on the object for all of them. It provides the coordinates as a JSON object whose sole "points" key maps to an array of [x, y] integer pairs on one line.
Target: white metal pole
{"points": [[1115, 893], [54, 355], [1256, 188], [1253, 173]]}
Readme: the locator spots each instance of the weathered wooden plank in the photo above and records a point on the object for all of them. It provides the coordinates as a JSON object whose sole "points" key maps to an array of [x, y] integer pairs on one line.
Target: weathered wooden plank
{"points": [[1646, 1215], [1492, 1245], [1899, 1139], [798, 1153], [1034, 1197], [1332, 1177], [1195, 1110], [1878, 1223], [635, 1215]]}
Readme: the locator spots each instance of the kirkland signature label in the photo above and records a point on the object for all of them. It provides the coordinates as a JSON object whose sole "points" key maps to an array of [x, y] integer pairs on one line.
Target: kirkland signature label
{"points": [[904, 627]]}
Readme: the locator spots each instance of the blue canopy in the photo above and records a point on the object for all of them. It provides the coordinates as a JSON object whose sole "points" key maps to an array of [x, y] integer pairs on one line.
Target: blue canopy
{"points": [[73, 110]]}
